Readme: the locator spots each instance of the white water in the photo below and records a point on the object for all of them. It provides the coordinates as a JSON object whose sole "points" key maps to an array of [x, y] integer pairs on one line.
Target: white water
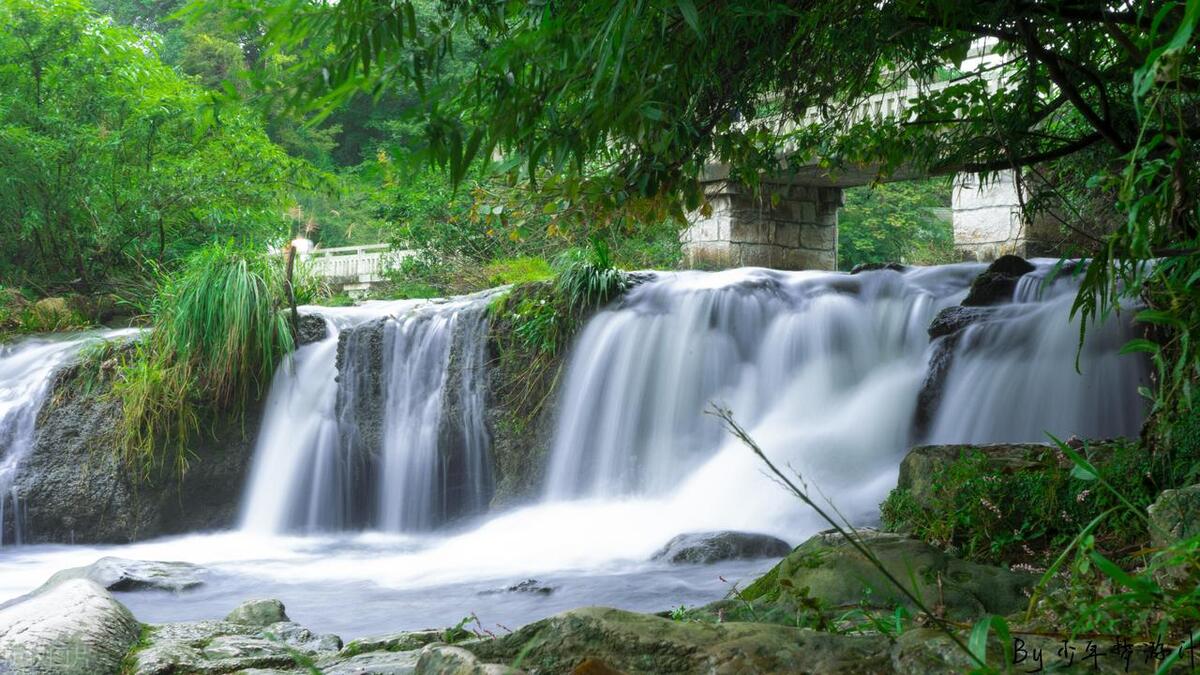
{"points": [[822, 369], [313, 473], [27, 368]]}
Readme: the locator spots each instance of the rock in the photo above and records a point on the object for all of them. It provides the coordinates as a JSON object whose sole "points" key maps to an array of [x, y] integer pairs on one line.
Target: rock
{"points": [[604, 640], [921, 464], [710, 547], [953, 319], [311, 328], [527, 586], [394, 642], [997, 283], [1175, 516], [119, 574], [828, 569], [927, 650], [872, 267], [258, 613], [438, 659], [228, 647], [70, 627], [74, 489], [374, 663]]}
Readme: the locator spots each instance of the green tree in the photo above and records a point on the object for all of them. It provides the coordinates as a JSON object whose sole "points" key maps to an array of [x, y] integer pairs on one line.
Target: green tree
{"points": [[896, 222], [109, 156]]}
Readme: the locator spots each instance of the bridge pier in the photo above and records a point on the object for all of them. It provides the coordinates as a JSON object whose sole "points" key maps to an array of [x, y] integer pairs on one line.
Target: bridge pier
{"points": [[987, 218], [785, 226]]}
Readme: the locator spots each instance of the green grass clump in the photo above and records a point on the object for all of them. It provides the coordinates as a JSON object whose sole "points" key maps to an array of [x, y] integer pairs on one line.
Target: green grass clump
{"points": [[218, 332], [522, 270]]}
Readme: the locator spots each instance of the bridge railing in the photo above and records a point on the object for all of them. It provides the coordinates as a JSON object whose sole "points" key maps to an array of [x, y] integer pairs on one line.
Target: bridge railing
{"points": [[364, 263]]}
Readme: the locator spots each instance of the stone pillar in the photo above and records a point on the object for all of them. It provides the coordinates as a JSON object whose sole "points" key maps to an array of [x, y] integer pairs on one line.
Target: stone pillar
{"points": [[785, 226], [987, 217]]}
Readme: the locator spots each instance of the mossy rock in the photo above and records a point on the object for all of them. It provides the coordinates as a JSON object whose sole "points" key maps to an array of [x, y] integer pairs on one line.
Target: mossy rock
{"points": [[922, 465], [828, 571], [598, 639]]}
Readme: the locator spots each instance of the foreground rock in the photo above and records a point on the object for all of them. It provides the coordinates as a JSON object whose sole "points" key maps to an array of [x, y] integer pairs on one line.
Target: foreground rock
{"points": [[311, 328], [120, 574], [602, 640], [711, 547], [256, 635], [828, 571], [68, 628]]}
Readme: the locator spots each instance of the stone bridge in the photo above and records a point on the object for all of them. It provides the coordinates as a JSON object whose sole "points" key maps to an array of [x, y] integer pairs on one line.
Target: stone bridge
{"points": [[792, 222]]}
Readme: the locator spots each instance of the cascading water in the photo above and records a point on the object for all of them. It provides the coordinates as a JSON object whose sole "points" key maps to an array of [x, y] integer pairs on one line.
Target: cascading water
{"points": [[824, 370], [27, 368], [379, 425]]}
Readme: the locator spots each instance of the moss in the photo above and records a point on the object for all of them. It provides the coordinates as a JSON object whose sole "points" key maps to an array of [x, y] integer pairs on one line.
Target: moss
{"points": [[129, 663], [1006, 511]]}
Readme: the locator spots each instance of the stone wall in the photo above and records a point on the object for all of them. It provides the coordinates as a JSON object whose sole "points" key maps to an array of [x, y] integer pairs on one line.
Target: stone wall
{"points": [[789, 227], [987, 218]]}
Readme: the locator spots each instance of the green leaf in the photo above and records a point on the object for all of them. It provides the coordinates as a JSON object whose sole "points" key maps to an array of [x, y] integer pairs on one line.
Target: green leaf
{"points": [[690, 15], [977, 643], [1140, 345]]}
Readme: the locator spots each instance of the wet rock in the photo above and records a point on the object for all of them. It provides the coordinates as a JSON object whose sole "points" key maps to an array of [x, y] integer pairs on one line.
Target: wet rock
{"points": [[872, 267], [710, 547], [927, 650], [312, 328], [120, 574], [527, 586], [953, 319], [55, 314], [997, 283], [438, 659], [71, 627], [258, 613], [829, 569], [609, 640]]}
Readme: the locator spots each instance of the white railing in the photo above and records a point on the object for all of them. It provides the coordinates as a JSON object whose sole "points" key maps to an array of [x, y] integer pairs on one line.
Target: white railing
{"points": [[363, 263]]}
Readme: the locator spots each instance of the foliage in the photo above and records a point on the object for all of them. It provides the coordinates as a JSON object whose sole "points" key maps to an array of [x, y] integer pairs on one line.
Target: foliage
{"points": [[218, 334], [896, 222], [992, 515], [109, 155], [522, 270], [614, 109], [588, 279]]}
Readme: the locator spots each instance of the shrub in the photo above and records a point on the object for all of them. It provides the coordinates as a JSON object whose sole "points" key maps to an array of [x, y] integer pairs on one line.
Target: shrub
{"points": [[218, 333]]}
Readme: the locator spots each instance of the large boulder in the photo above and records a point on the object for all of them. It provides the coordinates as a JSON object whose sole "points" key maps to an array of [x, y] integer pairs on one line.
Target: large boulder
{"points": [[997, 283], [710, 547], [603, 640], [68, 628], [437, 659], [829, 571], [73, 487]]}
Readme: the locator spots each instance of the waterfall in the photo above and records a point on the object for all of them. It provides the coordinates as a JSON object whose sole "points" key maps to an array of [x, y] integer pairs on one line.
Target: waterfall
{"points": [[27, 369], [379, 425], [824, 370]]}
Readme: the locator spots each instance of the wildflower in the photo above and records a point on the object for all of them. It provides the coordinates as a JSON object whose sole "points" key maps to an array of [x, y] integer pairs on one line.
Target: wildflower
{"points": [[1082, 496]]}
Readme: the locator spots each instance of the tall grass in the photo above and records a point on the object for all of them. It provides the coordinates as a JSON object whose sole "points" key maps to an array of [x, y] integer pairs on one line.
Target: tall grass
{"points": [[588, 278], [218, 331]]}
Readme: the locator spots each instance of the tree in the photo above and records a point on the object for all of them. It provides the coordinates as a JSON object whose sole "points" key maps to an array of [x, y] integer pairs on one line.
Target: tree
{"points": [[108, 156], [629, 100], [896, 222]]}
